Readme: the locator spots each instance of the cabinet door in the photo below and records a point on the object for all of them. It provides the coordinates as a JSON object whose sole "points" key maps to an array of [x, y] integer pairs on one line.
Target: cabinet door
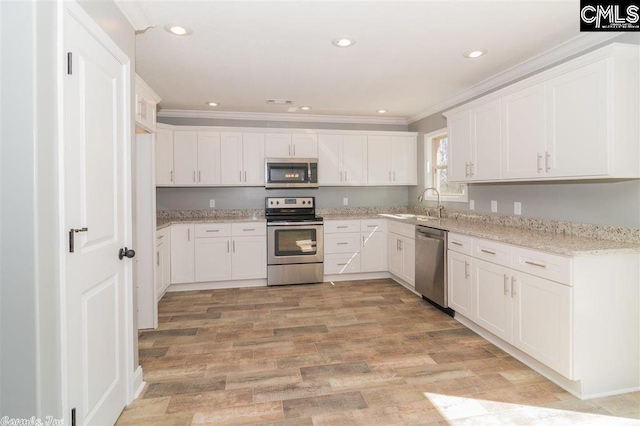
{"points": [[373, 255], [253, 158], [185, 157], [231, 158], [546, 337], [403, 160], [304, 146], [408, 249], [577, 122], [523, 133], [460, 284], [491, 293], [182, 254], [459, 134], [166, 262], [159, 262], [378, 161], [395, 255], [208, 158], [249, 258], [485, 142], [330, 160], [354, 159], [212, 259], [278, 145], [164, 157]]}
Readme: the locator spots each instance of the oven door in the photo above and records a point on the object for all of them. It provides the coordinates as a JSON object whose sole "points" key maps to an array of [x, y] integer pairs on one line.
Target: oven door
{"points": [[294, 243]]}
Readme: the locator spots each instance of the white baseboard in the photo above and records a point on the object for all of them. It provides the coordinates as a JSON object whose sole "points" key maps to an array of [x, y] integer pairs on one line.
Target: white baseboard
{"points": [[357, 276], [138, 383], [214, 285]]}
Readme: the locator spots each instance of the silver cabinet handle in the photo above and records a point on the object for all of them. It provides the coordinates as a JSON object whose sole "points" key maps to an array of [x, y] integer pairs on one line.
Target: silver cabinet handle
{"points": [[341, 264], [513, 287], [341, 176], [189, 234], [506, 284], [171, 176], [528, 262], [213, 230], [294, 149], [199, 176], [547, 160], [488, 251], [538, 165], [341, 227], [194, 175], [158, 258], [455, 243], [289, 150], [249, 229], [228, 242], [372, 226], [240, 175], [342, 244], [389, 176], [245, 175], [363, 239], [471, 169], [233, 245], [345, 176], [400, 241], [159, 237], [394, 176], [466, 169], [466, 269], [397, 245]]}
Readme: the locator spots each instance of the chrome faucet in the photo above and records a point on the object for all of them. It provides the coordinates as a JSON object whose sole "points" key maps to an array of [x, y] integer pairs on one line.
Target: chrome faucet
{"points": [[439, 206]]}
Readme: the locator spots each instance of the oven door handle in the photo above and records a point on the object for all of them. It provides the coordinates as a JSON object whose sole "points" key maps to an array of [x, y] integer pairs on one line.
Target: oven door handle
{"points": [[294, 223]]}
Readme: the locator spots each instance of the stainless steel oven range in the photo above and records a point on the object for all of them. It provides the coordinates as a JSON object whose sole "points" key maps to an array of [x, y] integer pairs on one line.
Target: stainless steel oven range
{"points": [[295, 244]]}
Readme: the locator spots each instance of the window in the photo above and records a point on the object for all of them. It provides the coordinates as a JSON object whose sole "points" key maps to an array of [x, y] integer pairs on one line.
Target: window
{"points": [[436, 153]]}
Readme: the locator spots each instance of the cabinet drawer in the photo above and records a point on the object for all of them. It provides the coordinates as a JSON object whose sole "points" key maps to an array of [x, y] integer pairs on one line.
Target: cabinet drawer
{"points": [[460, 243], [403, 229], [211, 230], [492, 252], [344, 263], [550, 266], [342, 243], [371, 225], [338, 226], [162, 236], [248, 229]]}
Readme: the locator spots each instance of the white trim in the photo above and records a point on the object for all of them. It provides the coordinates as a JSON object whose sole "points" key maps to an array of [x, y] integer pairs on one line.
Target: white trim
{"points": [[571, 47], [135, 13], [428, 181], [266, 116], [214, 285], [356, 276], [138, 383]]}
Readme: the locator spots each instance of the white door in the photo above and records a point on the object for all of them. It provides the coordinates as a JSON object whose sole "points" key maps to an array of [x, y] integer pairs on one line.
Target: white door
{"points": [[97, 199], [231, 158], [278, 145], [403, 160], [182, 254], [208, 158], [253, 159], [378, 161], [330, 160], [408, 249], [459, 133], [460, 284], [249, 258], [354, 159], [523, 133], [304, 146], [485, 142], [395, 255], [212, 259], [373, 255], [492, 295], [164, 157], [185, 157]]}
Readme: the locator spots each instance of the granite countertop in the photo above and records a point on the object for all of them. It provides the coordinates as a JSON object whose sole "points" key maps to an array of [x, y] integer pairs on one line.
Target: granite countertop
{"points": [[567, 245], [163, 223]]}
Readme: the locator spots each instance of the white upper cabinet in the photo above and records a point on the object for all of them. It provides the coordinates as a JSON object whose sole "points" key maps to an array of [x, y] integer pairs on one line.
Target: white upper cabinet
{"points": [[231, 154], [208, 158], [146, 103], [287, 145], [185, 157], [242, 158], [342, 160], [578, 120], [391, 160], [253, 158], [164, 157]]}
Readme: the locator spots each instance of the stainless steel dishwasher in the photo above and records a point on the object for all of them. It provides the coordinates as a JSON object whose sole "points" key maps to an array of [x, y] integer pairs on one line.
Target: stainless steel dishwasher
{"points": [[431, 266]]}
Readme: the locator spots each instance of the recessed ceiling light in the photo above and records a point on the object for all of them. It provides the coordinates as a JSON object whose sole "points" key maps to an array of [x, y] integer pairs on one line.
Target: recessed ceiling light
{"points": [[474, 54], [178, 30], [213, 103], [343, 42], [305, 108], [381, 111]]}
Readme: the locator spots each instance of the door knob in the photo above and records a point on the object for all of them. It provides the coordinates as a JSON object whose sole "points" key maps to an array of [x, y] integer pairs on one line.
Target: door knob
{"points": [[125, 252]]}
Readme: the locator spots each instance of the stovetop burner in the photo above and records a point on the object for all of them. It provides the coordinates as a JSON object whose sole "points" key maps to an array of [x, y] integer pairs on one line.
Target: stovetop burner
{"points": [[291, 209]]}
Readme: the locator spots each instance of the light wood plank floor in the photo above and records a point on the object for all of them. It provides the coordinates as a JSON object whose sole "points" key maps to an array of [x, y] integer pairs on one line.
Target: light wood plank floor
{"points": [[349, 353]]}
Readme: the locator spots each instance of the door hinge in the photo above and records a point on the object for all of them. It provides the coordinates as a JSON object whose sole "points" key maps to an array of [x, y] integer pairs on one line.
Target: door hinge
{"points": [[73, 417], [69, 63]]}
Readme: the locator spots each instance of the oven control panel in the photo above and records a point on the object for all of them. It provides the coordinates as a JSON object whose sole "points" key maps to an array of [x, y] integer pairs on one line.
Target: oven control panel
{"points": [[294, 202]]}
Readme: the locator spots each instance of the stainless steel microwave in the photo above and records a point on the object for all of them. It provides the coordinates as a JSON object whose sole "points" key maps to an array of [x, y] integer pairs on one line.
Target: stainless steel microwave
{"points": [[291, 173]]}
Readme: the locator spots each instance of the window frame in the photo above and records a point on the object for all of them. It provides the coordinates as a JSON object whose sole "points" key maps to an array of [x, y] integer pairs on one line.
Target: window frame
{"points": [[429, 140]]}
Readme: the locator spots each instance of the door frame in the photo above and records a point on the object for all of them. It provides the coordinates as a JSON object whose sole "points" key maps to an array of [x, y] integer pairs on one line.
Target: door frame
{"points": [[133, 380]]}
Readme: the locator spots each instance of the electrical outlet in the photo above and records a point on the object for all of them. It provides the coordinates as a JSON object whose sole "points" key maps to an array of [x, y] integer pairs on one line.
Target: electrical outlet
{"points": [[472, 205], [212, 204], [517, 208], [345, 201], [494, 206]]}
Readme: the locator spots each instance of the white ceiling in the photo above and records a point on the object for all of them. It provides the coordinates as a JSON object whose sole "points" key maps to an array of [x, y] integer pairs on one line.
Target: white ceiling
{"points": [[408, 55]]}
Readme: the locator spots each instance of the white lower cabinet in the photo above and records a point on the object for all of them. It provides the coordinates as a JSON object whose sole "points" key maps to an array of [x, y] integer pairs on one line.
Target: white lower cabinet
{"points": [[402, 257], [492, 309], [249, 257], [460, 283], [162, 261], [213, 259], [373, 255], [353, 246], [182, 254]]}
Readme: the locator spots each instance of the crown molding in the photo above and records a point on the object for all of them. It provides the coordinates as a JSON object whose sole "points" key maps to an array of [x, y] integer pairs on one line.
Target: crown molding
{"points": [[265, 116], [136, 14], [569, 48]]}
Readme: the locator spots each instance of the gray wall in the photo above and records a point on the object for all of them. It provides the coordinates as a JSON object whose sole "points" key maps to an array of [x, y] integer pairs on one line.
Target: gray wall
{"points": [[253, 198], [614, 203], [179, 121]]}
